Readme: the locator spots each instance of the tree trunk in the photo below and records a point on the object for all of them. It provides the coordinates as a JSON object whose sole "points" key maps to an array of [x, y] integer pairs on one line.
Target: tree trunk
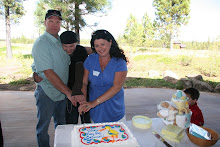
{"points": [[171, 42], [77, 20], [8, 33], [131, 52]]}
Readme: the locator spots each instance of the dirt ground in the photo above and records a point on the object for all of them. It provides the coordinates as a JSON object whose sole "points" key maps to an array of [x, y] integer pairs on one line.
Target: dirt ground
{"points": [[24, 87], [10, 70]]}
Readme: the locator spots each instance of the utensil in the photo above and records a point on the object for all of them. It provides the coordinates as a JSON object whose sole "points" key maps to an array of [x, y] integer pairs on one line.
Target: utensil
{"points": [[161, 138], [83, 118]]}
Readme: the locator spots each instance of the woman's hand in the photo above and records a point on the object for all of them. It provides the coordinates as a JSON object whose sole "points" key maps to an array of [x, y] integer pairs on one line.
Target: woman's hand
{"points": [[86, 106]]}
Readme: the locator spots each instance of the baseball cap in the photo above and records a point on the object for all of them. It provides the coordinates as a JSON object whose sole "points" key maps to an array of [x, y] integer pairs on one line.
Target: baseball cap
{"points": [[68, 37], [53, 13]]}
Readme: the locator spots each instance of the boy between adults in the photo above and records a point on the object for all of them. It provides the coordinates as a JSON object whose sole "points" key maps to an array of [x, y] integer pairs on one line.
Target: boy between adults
{"points": [[52, 64], [78, 55], [193, 95]]}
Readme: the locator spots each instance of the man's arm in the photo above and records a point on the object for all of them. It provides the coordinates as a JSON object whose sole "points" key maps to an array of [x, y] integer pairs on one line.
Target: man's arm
{"points": [[59, 85], [89, 50]]}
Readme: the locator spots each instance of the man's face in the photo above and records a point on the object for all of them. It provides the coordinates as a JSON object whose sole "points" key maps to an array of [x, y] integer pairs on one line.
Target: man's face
{"points": [[69, 48], [53, 25]]}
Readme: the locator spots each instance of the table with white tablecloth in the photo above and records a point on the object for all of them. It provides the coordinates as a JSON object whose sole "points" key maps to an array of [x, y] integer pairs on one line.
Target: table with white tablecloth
{"points": [[145, 137]]}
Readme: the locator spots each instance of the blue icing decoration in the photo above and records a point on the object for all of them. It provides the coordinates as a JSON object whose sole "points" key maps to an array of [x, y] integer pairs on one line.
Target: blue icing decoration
{"points": [[96, 141], [123, 136], [87, 140], [179, 94], [83, 129], [83, 134], [106, 140], [121, 130]]}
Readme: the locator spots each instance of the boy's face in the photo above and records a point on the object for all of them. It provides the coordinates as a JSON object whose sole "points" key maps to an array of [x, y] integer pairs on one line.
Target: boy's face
{"points": [[190, 100], [69, 48]]}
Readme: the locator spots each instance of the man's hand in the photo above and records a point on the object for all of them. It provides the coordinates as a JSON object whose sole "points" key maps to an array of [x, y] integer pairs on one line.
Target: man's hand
{"points": [[72, 99], [80, 98], [37, 78]]}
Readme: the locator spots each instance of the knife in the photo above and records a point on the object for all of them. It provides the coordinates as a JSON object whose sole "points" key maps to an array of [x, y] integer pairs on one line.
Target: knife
{"points": [[161, 138], [83, 115], [83, 118]]}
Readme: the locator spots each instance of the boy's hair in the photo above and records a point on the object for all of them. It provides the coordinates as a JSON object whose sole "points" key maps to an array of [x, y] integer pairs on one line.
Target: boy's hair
{"points": [[68, 37], [194, 93]]}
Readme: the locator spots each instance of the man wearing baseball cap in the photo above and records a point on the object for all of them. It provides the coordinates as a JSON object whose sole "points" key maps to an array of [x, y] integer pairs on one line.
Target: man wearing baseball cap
{"points": [[52, 64], [77, 54], [53, 13]]}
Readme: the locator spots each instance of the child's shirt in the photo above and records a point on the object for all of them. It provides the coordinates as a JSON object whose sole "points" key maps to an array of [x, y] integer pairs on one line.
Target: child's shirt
{"points": [[197, 117]]}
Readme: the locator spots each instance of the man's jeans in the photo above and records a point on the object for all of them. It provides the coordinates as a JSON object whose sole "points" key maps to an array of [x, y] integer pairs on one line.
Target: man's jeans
{"points": [[46, 109]]}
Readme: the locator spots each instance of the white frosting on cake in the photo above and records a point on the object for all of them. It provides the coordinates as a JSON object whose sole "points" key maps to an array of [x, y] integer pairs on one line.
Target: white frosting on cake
{"points": [[114, 134]]}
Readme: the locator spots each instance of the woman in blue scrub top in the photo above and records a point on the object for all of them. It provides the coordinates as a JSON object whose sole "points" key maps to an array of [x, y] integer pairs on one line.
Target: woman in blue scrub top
{"points": [[105, 72]]}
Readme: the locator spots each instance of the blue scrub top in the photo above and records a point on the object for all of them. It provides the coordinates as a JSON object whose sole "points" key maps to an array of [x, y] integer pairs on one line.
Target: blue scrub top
{"points": [[114, 108]]}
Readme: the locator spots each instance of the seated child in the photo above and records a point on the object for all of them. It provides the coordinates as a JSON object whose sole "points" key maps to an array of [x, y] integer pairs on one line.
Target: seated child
{"points": [[193, 95]]}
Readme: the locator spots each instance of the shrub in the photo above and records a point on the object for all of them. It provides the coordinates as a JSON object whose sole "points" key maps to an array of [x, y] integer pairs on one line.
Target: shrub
{"points": [[23, 40], [85, 42], [19, 82], [144, 57], [179, 85], [209, 67], [166, 60], [185, 60]]}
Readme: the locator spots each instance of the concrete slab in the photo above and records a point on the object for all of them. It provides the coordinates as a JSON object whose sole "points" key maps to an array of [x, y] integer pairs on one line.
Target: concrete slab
{"points": [[18, 112]]}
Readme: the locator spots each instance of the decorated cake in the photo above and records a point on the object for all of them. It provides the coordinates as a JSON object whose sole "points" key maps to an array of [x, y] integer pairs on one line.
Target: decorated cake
{"points": [[112, 134], [176, 111]]}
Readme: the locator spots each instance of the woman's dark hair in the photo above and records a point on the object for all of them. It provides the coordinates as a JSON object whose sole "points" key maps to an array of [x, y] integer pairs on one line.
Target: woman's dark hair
{"points": [[115, 51], [194, 93]]}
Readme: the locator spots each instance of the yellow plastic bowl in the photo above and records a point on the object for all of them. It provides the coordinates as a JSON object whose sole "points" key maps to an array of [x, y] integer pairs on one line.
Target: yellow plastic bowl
{"points": [[141, 122]]}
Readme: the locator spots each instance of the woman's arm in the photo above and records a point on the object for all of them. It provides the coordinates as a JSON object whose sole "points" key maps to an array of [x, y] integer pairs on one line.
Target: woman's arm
{"points": [[85, 82], [89, 50], [119, 80]]}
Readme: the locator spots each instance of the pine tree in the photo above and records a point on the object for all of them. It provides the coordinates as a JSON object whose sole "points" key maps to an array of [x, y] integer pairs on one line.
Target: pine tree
{"points": [[73, 11], [12, 10], [170, 15]]}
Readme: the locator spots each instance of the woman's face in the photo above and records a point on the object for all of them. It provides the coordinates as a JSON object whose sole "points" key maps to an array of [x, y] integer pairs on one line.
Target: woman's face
{"points": [[102, 47]]}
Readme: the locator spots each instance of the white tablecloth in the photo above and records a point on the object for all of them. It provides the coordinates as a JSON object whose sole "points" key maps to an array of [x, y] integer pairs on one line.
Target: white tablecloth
{"points": [[145, 137]]}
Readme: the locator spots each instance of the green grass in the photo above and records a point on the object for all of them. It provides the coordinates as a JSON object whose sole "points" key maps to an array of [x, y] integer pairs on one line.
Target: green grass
{"points": [[20, 82], [21, 63], [147, 82]]}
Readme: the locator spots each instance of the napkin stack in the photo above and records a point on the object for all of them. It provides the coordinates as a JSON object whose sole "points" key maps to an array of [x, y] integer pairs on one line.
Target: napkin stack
{"points": [[173, 133], [199, 132]]}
